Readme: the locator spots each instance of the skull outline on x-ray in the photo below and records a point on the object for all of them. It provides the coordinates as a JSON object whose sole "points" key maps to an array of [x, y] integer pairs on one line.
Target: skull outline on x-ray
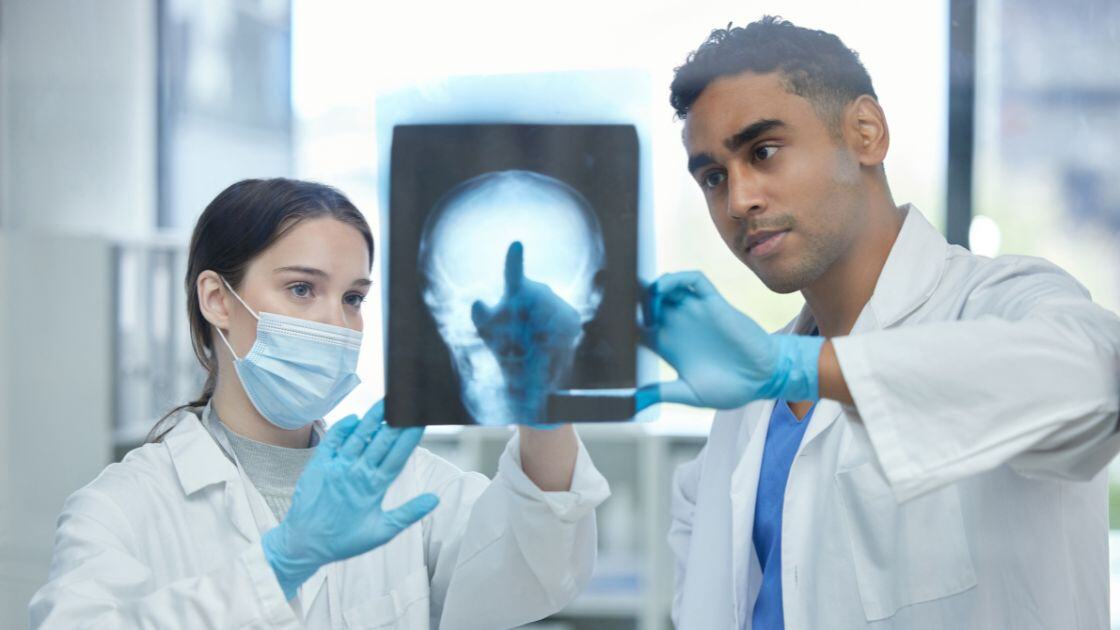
{"points": [[467, 240]]}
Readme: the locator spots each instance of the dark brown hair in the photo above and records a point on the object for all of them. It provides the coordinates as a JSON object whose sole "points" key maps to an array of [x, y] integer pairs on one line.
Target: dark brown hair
{"points": [[813, 64]]}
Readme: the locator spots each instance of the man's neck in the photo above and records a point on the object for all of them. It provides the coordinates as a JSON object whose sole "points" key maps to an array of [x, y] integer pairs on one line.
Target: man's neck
{"points": [[837, 298]]}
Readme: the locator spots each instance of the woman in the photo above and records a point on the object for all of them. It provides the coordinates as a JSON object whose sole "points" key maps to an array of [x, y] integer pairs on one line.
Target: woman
{"points": [[240, 512]]}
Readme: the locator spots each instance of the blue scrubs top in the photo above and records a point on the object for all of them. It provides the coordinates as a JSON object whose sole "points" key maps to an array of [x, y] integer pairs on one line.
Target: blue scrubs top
{"points": [[782, 441]]}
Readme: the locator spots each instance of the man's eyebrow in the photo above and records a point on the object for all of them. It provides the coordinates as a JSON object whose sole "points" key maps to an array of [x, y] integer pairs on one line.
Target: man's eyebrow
{"points": [[698, 161], [748, 134]]}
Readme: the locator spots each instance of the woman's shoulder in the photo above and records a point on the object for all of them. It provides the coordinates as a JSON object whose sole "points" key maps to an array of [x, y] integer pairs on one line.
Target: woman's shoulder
{"points": [[145, 473]]}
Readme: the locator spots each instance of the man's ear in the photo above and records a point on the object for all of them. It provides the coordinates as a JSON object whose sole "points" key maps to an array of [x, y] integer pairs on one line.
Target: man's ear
{"points": [[866, 131], [213, 299]]}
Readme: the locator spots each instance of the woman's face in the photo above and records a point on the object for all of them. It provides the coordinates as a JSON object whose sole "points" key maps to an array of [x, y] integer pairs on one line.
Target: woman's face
{"points": [[318, 271]]}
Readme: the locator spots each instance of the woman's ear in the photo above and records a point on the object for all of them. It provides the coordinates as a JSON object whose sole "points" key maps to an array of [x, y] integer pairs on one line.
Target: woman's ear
{"points": [[213, 299]]}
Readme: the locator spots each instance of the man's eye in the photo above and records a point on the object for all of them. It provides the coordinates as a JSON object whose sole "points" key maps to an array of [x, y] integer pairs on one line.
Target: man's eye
{"points": [[714, 179], [765, 153], [300, 290]]}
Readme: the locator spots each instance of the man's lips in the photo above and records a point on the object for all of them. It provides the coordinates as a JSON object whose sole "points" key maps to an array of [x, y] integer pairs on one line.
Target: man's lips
{"points": [[763, 242]]}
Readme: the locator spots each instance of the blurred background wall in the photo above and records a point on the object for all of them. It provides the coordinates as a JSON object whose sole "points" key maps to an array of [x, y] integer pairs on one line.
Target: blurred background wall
{"points": [[121, 119]]}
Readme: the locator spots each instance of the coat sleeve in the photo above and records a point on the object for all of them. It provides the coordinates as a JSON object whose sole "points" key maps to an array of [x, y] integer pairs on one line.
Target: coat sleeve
{"points": [[1027, 375], [682, 508], [96, 581], [504, 553]]}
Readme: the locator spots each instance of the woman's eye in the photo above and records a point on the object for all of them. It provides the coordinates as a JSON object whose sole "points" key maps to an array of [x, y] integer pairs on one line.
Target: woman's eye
{"points": [[714, 179], [300, 290], [355, 299], [765, 153]]}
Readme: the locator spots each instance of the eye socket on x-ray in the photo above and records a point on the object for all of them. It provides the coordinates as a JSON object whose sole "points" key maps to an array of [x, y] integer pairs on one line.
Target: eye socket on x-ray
{"points": [[522, 266]]}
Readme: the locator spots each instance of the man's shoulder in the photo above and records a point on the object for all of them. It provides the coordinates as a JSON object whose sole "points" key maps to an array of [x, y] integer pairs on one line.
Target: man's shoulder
{"points": [[971, 279]]}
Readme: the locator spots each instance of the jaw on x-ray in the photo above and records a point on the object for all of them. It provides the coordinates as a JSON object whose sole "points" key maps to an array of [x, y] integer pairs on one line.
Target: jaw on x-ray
{"points": [[511, 263], [512, 274]]}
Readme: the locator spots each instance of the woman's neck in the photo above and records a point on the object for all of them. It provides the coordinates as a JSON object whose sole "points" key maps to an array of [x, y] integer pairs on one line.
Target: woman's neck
{"points": [[238, 414]]}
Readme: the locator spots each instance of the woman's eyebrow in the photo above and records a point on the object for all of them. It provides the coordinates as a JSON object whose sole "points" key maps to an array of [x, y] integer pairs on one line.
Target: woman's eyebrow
{"points": [[361, 282], [301, 269]]}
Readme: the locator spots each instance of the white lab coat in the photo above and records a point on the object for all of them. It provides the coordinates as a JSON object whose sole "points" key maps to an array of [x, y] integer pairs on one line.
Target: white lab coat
{"points": [[169, 538], [967, 490]]}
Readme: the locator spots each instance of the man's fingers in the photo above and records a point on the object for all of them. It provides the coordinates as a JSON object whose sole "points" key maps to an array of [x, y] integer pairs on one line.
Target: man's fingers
{"points": [[645, 314], [668, 392], [515, 267], [681, 284]]}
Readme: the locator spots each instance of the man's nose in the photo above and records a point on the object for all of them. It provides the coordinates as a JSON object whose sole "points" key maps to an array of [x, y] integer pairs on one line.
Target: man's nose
{"points": [[744, 193]]}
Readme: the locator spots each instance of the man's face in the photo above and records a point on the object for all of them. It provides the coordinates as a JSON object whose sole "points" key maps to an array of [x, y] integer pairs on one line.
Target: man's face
{"points": [[784, 193]]}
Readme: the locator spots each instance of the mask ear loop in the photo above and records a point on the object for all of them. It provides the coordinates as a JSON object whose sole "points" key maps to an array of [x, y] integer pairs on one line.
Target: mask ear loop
{"points": [[251, 312]]}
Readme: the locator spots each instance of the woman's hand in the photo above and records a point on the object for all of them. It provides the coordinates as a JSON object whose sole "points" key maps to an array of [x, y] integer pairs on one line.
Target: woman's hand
{"points": [[336, 510]]}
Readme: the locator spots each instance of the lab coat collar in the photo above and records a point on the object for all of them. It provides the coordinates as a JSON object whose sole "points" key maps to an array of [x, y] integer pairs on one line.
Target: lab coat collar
{"points": [[199, 461], [909, 277], [912, 271]]}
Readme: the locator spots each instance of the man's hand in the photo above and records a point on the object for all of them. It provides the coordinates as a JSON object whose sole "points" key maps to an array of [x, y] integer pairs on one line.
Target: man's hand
{"points": [[722, 357]]}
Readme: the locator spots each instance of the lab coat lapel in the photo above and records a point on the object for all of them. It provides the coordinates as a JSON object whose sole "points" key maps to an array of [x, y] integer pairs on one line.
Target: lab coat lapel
{"points": [[199, 462], [744, 491], [250, 512]]}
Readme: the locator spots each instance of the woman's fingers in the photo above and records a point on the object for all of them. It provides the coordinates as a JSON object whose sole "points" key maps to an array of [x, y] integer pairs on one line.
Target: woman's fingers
{"points": [[380, 464], [400, 451], [336, 437], [364, 433], [404, 516]]}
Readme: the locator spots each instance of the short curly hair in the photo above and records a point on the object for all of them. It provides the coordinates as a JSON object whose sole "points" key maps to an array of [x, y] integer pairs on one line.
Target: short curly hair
{"points": [[814, 65]]}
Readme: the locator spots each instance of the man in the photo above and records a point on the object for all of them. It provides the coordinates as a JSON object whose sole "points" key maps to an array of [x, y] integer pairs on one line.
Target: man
{"points": [[951, 474]]}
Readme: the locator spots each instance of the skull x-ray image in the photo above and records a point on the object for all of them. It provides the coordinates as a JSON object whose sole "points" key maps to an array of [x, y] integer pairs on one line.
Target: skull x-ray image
{"points": [[512, 274]]}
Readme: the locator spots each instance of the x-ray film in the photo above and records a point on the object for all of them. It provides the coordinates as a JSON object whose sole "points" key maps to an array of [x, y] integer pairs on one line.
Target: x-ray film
{"points": [[512, 274]]}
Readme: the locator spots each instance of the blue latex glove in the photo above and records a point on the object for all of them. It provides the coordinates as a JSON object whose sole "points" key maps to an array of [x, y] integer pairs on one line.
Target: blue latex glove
{"points": [[722, 357], [336, 510], [533, 333]]}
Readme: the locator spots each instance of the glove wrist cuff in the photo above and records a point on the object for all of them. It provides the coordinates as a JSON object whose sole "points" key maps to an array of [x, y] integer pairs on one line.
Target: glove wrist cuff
{"points": [[796, 374], [289, 573]]}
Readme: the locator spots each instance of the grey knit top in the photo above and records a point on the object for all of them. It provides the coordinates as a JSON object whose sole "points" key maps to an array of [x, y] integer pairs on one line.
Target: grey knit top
{"points": [[273, 469]]}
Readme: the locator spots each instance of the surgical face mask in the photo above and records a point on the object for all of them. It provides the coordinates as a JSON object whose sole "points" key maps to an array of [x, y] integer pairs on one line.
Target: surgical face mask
{"points": [[297, 370]]}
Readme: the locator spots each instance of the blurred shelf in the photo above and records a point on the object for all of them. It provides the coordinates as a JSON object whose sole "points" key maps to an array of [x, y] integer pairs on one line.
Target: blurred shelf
{"points": [[605, 605], [131, 435]]}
